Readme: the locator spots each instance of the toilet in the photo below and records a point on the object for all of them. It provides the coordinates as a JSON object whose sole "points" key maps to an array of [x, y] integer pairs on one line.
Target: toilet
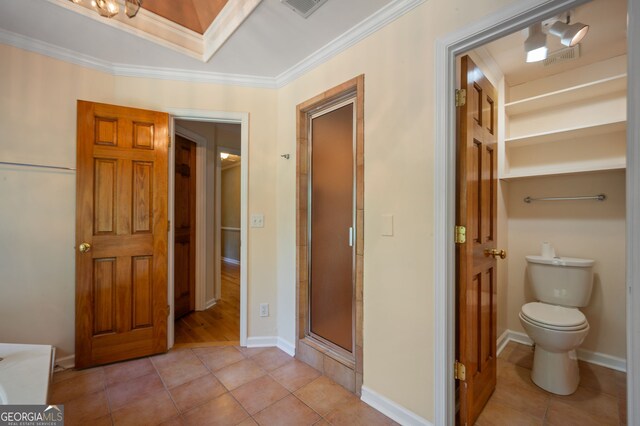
{"points": [[560, 285]]}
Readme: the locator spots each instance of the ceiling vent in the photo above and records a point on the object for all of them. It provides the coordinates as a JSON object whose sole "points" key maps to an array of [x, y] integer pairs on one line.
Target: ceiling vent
{"points": [[562, 55], [303, 8]]}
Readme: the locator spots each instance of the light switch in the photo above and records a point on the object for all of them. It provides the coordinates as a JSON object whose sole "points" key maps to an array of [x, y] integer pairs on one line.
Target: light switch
{"points": [[387, 225], [257, 220]]}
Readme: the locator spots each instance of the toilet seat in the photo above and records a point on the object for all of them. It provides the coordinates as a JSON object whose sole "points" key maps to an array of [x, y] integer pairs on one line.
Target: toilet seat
{"points": [[554, 317]]}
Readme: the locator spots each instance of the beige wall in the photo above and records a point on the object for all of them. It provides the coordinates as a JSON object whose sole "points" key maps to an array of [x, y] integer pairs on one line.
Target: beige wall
{"points": [[37, 208], [583, 229], [230, 211], [398, 64]]}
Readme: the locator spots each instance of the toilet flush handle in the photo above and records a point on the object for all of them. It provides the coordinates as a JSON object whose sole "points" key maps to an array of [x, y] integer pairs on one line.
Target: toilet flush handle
{"points": [[495, 253]]}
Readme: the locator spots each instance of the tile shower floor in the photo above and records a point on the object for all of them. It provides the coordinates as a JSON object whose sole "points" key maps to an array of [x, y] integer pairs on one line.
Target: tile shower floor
{"points": [[222, 385], [599, 400]]}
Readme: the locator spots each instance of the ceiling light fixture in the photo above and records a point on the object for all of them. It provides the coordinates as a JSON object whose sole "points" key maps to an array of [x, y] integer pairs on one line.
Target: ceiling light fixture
{"points": [[535, 45], [570, 34], [110, 8]]}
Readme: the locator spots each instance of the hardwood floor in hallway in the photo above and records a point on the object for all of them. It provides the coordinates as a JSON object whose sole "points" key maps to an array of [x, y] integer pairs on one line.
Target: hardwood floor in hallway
{"points": [[221, 322]]}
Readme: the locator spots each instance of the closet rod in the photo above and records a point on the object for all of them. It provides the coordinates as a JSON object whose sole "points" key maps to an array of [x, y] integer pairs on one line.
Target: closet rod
{"points": [[599, 197], [42, 166]]}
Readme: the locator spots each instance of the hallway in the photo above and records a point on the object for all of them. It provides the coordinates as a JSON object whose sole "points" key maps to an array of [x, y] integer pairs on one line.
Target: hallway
{"points": [[219, 323]]}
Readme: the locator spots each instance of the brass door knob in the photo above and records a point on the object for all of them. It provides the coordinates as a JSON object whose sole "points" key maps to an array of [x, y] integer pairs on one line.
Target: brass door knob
{"points": [[84, 247], [495, 253]]}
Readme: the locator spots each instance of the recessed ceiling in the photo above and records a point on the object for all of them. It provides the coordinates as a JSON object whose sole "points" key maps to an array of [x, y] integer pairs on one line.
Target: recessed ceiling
{"points": [[607, 38], [197, 15], [268, 44]]}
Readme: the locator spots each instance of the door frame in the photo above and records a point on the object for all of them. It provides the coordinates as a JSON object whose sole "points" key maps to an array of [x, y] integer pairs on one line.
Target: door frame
{"points": [[241, 118], [496, 25]]}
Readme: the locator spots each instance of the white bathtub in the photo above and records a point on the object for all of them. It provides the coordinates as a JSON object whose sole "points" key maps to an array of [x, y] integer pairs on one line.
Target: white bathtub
{"points": [[25, 373]]}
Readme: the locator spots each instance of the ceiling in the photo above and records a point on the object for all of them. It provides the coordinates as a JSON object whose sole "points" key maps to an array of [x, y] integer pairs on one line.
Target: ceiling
{"points": [[196, 15], [268, 42], [607, 38]]}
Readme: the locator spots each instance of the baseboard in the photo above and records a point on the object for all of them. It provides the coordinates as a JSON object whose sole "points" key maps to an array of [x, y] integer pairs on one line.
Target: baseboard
{"points": [[502, 342], [232, 261], [391, 409], [262, 342], [210, 303], [597, 358], [286, 346], [66, 362]]}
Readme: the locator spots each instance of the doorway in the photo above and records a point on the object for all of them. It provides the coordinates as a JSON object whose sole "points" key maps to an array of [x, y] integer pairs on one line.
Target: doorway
{"points": [[450, 48], [211, 323], [330, 217]]}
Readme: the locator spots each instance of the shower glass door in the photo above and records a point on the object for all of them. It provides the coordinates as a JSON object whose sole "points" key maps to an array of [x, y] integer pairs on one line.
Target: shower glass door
{"points": [[332, 225]]}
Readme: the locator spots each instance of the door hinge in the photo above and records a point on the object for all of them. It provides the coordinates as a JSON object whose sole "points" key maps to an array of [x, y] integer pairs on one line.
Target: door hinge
{"points": [[168, 226], [460, 235], [168, 310], [461, 97], [459, 371]]}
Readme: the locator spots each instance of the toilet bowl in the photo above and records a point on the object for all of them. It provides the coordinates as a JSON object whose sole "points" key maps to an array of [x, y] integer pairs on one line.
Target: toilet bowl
{"points": [[554, 323], [557, 331]]}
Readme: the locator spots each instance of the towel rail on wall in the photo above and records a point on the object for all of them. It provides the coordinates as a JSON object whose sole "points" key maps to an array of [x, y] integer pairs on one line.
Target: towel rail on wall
{"points": [[599, 197], [42, 166]]}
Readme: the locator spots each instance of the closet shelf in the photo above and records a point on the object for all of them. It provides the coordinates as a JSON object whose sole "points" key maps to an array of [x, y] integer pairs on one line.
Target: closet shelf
{"points": [[566, 134], [558, 171], [617, 83]]}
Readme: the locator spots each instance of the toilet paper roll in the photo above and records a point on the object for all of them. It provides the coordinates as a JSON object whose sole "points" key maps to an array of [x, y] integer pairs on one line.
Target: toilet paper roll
{"points": [[547, 250]]}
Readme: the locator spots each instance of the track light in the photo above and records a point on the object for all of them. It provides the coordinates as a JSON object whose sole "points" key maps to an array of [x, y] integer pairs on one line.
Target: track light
{"points": [[536, 44], [570, 35]]}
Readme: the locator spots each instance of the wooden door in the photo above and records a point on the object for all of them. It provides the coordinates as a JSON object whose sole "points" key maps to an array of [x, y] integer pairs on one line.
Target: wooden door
{"points": [[121, 233], [476, 268], [185, 218]]}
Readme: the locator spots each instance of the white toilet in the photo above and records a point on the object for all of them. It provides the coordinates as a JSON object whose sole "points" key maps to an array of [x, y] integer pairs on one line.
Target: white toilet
{"points": [[561, 285]]}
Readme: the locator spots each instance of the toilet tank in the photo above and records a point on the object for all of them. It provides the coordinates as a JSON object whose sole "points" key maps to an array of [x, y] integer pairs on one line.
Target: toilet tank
{"points": [[562, 281]]}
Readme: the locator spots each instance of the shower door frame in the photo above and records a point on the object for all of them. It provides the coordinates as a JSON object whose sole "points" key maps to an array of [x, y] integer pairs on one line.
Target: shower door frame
{"points": [[343, 367], [326, 108]]}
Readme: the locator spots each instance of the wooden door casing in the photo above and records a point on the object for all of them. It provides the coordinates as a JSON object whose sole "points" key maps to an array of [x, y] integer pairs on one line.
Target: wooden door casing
{"points": [[477, 211], [185, 226], [121, 211]]}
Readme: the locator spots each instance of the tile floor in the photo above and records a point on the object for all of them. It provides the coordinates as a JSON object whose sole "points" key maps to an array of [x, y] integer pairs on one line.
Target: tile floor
{"points": [[599, 400], [222, 385]]}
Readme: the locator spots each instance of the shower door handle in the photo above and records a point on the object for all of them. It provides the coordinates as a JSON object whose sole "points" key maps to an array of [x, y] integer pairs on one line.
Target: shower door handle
{"points": [[351, 236]]}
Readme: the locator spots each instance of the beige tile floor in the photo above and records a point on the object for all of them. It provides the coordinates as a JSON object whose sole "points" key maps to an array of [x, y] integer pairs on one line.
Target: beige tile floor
{"points": [[223, 385], [599, 400]]}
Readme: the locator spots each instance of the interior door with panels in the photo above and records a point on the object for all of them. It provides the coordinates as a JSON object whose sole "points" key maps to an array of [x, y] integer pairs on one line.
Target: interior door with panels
{"points": [[121, 233]]}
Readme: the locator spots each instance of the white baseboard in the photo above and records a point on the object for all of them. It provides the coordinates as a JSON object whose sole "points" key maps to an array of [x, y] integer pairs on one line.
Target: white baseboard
{"points": [[391, 409], [272, 342], [210, 303], [232, 261], [286, 346], [66, 362], [597, 358], [262, 342], [502, 342]]}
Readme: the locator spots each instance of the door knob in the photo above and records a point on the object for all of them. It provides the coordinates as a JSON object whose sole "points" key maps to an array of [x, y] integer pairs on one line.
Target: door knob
{"points": [[495, 253], [84, 247]]}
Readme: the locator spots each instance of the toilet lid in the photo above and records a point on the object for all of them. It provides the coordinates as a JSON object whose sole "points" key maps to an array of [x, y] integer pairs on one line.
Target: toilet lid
{"points": [[556, 316]]}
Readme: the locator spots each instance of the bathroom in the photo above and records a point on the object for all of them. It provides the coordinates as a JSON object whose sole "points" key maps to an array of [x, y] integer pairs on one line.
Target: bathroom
{"points": [[561, 134]]}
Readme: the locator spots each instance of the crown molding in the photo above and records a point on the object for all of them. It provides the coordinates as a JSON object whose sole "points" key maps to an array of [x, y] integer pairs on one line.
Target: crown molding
{"points": [[365, 28], [225, 24], [146, 25], [368, 26]]}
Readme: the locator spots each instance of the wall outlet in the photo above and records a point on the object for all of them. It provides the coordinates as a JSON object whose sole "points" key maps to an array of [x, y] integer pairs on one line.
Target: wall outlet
{"points": [[257, 220], [264, 309]]}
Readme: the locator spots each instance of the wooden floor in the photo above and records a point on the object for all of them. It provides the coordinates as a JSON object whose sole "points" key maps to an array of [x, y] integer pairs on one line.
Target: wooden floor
{"points": [[221, 322]]}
